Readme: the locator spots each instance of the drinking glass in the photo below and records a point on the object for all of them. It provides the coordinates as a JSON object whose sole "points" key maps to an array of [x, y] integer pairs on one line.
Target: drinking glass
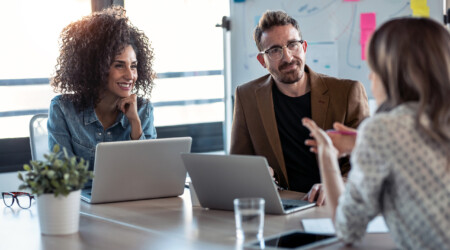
{"points": [[249, 216]]}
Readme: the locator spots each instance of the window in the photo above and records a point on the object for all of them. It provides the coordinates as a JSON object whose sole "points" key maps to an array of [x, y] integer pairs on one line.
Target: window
{"points": [[188, 57], [30, 31]]}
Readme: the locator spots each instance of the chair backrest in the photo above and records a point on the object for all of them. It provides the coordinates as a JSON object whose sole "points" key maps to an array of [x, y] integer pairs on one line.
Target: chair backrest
{"points": [[39, 136]]}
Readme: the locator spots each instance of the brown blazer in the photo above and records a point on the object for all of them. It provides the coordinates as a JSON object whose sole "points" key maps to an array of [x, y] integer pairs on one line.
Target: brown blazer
{"points": [[255, 132]]}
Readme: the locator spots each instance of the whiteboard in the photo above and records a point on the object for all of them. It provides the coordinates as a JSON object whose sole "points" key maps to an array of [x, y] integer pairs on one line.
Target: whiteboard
{"points": [[331, 28]]}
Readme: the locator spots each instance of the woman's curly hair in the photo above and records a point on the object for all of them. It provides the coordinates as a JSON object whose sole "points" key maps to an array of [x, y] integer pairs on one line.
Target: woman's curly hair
{"points": [[87, 50]]}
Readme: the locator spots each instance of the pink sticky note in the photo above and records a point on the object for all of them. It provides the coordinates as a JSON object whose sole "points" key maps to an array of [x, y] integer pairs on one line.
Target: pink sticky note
{"points": [[368, 21], [363, 51], [367, 27], [365, 34]]}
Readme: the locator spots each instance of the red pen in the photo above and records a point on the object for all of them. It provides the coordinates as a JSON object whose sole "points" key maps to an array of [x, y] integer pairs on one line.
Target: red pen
{"points": [[341, 132]]}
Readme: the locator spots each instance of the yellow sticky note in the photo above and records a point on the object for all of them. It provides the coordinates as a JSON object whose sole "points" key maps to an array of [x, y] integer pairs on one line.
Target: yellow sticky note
{"points": [[418, 4], [423, 12], [420, 8]]}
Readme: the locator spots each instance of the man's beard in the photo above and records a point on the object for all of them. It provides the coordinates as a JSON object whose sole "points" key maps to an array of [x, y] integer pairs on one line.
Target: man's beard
{"points": [[292, 76]]}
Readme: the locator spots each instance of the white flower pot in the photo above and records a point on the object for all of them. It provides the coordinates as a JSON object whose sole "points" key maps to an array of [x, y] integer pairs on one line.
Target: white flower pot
{"points": [[59, 215]]}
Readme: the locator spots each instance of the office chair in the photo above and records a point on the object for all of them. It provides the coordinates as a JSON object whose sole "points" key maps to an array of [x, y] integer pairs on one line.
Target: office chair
{"points": [[39, 136]]}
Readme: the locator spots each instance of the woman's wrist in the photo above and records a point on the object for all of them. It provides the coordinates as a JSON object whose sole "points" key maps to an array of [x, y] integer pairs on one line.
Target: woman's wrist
{"points": [[328, 158], [136, 129], [329, 151], [135, 121]]}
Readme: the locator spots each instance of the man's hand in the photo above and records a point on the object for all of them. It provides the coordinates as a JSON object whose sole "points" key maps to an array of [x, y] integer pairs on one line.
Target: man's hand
{"points": [[317, 194], [272, 173]]}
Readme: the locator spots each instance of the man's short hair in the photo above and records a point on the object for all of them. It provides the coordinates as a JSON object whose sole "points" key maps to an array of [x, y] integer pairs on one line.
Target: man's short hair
{"points": [[272, 18]]}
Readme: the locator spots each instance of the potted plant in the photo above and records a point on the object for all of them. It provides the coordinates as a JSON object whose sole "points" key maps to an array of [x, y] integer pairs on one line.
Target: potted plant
{"points": [[57, 183]]}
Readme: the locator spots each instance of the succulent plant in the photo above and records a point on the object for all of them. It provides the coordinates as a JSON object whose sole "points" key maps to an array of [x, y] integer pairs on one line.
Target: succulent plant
{"points": [[59, 174]]}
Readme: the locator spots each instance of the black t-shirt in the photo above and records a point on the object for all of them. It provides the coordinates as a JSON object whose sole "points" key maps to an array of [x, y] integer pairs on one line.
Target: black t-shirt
{"points": [[301, 164]]}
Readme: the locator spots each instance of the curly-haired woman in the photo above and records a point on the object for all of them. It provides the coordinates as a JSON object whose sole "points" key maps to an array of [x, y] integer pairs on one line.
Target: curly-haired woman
{"points": [[105, 63]]}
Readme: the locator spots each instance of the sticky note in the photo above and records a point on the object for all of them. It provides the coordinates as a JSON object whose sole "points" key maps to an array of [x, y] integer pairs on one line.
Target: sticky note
{"points": [[423, 12], [367, 20], [368, 24], [363, 51], [420, 8], [366, 33], [418, 3]]}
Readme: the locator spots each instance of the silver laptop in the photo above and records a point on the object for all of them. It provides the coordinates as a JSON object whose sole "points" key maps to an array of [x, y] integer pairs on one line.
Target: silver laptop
{"points": [[218, 179], [134, 170]]}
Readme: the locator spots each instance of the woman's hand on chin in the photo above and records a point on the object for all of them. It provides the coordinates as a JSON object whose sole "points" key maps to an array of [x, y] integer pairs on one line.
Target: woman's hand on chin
{"points": [[128, 106]]}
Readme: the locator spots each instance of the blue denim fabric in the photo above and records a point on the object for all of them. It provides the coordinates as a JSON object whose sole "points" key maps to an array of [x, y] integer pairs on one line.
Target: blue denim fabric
{"points": [[80, 132]]}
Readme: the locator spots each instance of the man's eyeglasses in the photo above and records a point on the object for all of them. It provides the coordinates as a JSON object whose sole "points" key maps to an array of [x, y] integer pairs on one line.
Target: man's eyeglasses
{"points": [[276, 53], [23, 199]]}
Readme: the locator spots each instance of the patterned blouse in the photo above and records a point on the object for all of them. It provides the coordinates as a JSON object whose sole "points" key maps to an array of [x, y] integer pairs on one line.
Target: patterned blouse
{"points": [[401, 173]]}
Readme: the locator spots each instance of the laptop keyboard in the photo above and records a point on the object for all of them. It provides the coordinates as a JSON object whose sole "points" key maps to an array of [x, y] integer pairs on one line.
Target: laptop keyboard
{"points": [[87, 189], [287, 207], [86, 192], [289, 204]]}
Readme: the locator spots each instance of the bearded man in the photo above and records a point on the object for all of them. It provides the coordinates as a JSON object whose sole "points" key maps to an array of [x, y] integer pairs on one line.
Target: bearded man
{"points": [[268, 111]]}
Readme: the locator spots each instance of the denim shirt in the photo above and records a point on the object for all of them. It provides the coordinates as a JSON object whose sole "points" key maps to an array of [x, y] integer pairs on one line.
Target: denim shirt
{"points": [[80, 132]]}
